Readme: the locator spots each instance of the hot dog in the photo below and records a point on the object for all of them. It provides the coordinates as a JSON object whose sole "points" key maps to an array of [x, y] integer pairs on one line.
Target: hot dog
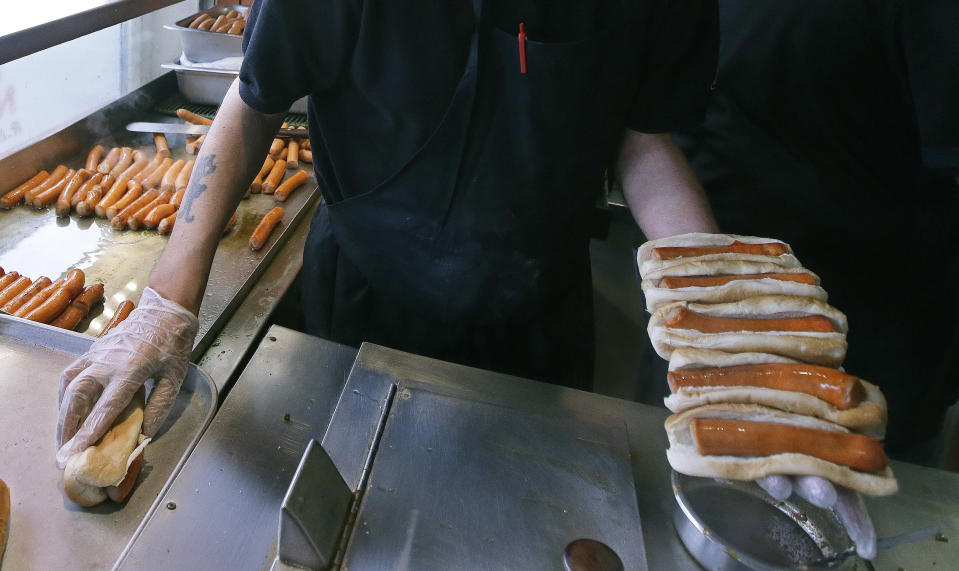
{"points": [[55, 177], [161, 144], [79, 307], [199, 20], [289, 185], [87, 206], [59, 300], [230, 223], [148, 170], [166, 225], [183, 179], [159, 212], [24, 296], [796, 327], [81, 192], [35, 301], [257, 185], [747, 442], [191, 117], [88, 475], [237, 27], [123, 310], [276, 175], [293, 154], [48, 196], [192, 146], [7, 279], [65, 200], [14, 197], [126, 159], [134, 190], [121, 185], [700, 376], [120, 220], [277, 147], [168, 182], [135, 221], [109, 161], [718, 281], [659, 255], [15, 288], [306, 156], [153, 181], [262, 232], [93, 158]]}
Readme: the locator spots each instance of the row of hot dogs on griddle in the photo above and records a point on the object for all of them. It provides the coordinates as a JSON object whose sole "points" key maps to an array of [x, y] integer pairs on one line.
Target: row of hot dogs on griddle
{"points": [[754, 350]]}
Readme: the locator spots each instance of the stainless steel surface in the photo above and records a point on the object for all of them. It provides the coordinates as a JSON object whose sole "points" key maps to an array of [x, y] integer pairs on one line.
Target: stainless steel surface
{"points": [[190, 129], [737, 525], [229, 491], [37, 243], [202, 45], [313, 511], [48, 531], [28, 30], [462, 484], [243, 328], [205, 85]]}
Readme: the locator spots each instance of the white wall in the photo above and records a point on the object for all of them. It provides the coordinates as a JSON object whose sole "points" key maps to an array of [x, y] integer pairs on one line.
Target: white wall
{"points": [[44, 92]]}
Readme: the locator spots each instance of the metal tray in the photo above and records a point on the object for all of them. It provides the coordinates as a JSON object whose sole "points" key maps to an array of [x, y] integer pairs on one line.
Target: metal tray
{"points": [[36, 242], [204, 85], [203, 45], [47, 531]]}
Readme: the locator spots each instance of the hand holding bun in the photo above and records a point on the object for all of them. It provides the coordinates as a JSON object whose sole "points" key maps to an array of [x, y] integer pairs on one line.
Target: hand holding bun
{"points": [[94, 474]]}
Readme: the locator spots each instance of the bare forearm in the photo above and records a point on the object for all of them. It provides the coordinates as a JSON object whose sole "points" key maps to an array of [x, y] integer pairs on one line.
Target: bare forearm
{"points": [[229, 159], [662, 192]]}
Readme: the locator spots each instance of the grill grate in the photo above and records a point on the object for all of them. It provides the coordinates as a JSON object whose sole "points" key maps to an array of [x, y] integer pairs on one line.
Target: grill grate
{"points": [[174, 102]]}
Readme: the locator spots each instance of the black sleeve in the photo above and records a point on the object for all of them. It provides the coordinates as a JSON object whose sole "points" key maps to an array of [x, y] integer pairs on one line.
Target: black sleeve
{"points": [[930, 47], [294, 48], [680, 46]]}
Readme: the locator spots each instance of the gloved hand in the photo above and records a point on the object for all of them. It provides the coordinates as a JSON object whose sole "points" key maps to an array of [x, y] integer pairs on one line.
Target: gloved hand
{"points": [[154, 342], [820, 492]]}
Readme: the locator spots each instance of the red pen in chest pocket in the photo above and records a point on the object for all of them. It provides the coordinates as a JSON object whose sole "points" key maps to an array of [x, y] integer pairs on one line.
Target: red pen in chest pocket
{"points": [[521, 39]]}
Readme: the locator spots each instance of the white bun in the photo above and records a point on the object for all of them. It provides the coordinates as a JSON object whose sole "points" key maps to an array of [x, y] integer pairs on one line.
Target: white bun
{"points": [[657, 296], [647, 264], [684, 457], [105, 463], [821, 348], [869, 417]]}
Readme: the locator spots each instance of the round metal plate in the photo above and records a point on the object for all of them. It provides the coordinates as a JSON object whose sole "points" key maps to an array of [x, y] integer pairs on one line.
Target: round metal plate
{"points": [[736, 525]]}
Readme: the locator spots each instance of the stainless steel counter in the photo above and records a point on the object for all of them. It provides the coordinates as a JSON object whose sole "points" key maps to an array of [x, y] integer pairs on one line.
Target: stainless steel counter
{"points": [[228, 494]]}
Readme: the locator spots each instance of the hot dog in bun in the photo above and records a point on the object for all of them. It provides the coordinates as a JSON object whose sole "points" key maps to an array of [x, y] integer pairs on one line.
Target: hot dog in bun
{"points": [[109, 468], [658, 255], [747, 442], [698, 376], [800, 328]]}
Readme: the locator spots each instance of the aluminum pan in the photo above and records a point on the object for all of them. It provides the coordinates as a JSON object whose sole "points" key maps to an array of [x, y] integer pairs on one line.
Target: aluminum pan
{"points": [[47, 531], [203, 45], [205, 85]]}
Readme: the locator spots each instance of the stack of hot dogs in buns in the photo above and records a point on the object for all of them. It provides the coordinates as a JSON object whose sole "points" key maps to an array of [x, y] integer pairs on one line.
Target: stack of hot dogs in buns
{"points": [[754, 350]]}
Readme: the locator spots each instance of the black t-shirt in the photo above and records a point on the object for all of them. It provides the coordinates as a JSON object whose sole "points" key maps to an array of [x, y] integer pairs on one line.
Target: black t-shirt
{"points": [[816, 132], [379, 74]]}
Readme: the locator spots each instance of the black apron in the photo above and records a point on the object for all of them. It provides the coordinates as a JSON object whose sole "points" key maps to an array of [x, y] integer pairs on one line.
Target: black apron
{"points": [[476, 250]]}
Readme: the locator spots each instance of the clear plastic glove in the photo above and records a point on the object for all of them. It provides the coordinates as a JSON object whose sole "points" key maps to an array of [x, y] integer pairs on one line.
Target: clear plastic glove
{"points": [[154, 342], [848, 505]]}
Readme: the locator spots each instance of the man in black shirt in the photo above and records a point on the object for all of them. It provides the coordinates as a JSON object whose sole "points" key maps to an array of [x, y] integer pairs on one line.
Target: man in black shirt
{"points": [[835, 126], [459, 147]]}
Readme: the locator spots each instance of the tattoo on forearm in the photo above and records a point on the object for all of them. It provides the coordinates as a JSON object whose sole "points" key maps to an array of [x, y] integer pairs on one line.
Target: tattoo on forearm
{"points": [[204, 168]]}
